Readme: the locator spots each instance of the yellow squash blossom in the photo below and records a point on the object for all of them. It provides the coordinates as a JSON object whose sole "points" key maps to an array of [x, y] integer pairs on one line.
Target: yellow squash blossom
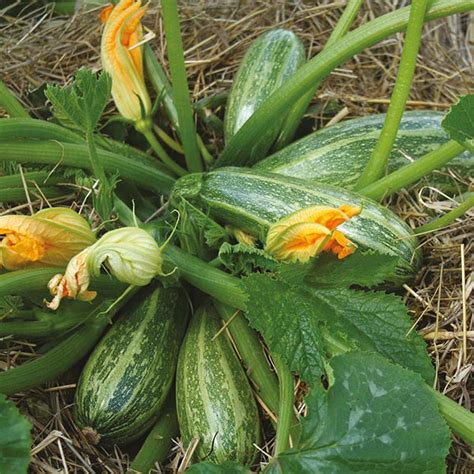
{"points": [[50, 237], [129, 254], [123, 59], [307, 232]]}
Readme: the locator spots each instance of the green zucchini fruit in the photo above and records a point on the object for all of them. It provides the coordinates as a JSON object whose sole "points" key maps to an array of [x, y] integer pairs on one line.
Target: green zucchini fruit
{"points": [[338, 154], [128, 376], [270, 61], [252, 200], [214, 401]]}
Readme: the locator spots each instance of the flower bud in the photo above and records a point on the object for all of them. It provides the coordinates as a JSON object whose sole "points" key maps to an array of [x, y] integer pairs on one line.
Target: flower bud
{"points": [[129, 254], [123, 59]]}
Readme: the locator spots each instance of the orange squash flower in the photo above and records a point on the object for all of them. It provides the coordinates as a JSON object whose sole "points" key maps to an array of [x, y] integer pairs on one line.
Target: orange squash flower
{"points": [[307, 232], [129, 254], [123, 59], [50, 237]]}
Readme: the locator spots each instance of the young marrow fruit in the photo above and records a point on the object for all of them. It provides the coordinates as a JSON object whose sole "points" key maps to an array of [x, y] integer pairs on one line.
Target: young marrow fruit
{"points": [[128, 376], [252, 200], [337, 155], [270, 61], [213, 396]]}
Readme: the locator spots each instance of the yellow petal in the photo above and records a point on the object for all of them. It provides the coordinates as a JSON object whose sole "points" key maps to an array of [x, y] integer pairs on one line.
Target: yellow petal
{"points": [[340, 245], [122, 31], [73, 284], [48, 238], [298, 242]]}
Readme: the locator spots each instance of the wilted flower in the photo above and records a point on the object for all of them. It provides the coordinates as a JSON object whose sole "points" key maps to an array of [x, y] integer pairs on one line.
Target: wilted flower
{"points": [[129, 254], [123, 59], [50, 237], [307, 232], [241, 236]]}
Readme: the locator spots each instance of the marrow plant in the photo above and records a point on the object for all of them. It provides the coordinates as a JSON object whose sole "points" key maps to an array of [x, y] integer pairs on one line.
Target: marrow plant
{"points": [[298, 274]]}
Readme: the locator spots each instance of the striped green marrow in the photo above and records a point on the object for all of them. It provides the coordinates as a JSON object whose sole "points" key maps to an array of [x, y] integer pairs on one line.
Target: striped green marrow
{"points": [[128, 376], [214, 401], [270, 61], [337, 155], [252, 200]]}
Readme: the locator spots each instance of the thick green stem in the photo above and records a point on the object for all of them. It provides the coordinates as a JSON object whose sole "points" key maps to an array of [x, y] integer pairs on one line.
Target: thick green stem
{"points": [[285, 410], [15, 128], [206, 278], [10, 103], [159, 441], [448, 218], [411, 173], [296, 114], [40, 177], [77, 156], [251, 351], [460, 420], [63, 356], [406, 70], [18, 195], [25, 282], [181, 95], [41, 329], [161, 152], [237, 150], [227, 290]]}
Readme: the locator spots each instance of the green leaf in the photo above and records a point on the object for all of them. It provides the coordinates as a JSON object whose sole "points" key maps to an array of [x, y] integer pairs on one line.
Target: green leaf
{"points": [[208, 230], [459, 121], [374, 321], [302, 324], [366, 269], [80, 105], [241, 258], [376, 418], [225, 468], [15, 439], [289, 321]]}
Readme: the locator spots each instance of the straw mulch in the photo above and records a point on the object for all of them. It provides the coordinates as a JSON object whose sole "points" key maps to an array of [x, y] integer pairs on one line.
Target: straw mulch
{"points": [[38, 47]]}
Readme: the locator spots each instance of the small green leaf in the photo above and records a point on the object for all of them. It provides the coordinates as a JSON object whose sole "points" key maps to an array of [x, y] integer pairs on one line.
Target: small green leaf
{"points": [[459, 121], [366, 269], [245, 259], [376, 418], [15, 439], [80, 105], [289, 321], [225, 468]]}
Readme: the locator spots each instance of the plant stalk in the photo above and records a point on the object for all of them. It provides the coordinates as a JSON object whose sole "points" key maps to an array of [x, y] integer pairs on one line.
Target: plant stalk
{"points": [[238, 149], [161, 152], [291, 123], [10, 103], [448, 218], [159, 441], [251, 351], [63, 356], [181, 95], [76, 156], [411, 173], [406, 70], [285, 410]]}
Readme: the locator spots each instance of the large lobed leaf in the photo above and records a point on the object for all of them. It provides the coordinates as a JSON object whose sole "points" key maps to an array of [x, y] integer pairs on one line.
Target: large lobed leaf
{"points": [[15, 439], [303, 324], [376, 418]]}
